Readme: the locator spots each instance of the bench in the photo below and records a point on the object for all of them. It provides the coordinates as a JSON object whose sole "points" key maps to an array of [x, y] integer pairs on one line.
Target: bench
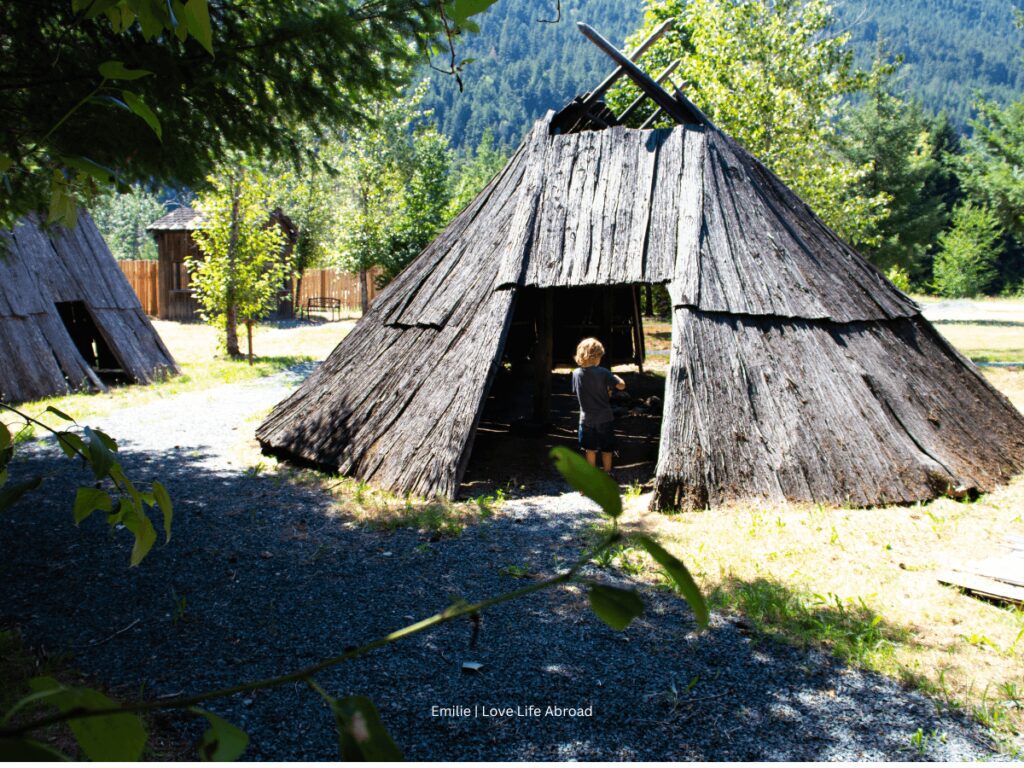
{"points": [[323, 304]]}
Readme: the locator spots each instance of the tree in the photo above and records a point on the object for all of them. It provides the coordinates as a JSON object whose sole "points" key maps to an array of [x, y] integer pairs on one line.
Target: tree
{"points": [[241, 269], [122, 219], [394, 191], [965, 264], [309, 195], [97, 90], [770, 74], [474, 171], [890, 139], [992, 167]]}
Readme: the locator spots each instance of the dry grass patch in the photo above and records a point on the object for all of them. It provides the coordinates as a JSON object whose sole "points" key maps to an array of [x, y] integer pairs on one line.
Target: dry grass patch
{"points": [[861, 582], [985, 342], [373, 507]]}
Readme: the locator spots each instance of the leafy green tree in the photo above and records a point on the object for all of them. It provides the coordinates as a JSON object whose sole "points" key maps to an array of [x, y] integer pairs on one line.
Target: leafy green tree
{"points": [[309, 195], [241, 267], [473, 171], [771, 74], [965, 264], [890, 139], [122, 219], [394, 191], [992, 167], [98, 90]]}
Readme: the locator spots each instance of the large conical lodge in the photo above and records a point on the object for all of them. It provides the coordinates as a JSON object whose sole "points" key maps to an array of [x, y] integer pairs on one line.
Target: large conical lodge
{"points": [[797, 371]]}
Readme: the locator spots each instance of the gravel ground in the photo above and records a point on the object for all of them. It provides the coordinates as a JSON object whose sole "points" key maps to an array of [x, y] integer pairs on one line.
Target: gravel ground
{"points": [[261, 578]]}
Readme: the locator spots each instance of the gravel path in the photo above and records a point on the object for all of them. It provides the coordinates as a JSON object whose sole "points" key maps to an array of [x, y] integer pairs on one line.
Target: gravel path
{"points": [[260, 578]]}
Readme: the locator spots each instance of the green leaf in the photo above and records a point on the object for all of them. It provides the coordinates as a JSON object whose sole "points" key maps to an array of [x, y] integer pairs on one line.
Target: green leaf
{"points": [[63, 208], [31, 698], [88, 500], [96, 7], [614, 606], [223, 741], [59, 414], [116, 70], [71, 444], [5, 437], [99, 453], [28, 751], [588, 480], [197, 19], [163, 500], [152, 24], [120, 737], [680, 577], [139, 107], [361, 732], [11, 493], [460, 10], [87, 167], [139, 524], [5, 163], [106, 439]]}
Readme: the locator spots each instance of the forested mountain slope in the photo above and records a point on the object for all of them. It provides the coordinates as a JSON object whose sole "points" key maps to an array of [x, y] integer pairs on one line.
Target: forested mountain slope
{"points": [[523, 67], [951, 48]]}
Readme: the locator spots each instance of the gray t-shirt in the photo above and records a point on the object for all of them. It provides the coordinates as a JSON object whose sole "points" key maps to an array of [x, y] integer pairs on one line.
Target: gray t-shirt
{"points": [[591, 387]]}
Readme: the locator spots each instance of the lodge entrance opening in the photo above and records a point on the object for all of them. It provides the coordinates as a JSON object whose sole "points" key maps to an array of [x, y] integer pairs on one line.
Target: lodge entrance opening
{"points": [[531, 407], [89, 341]]}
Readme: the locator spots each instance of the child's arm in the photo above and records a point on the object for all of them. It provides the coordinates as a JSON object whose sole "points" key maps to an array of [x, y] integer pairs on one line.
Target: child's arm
{"points": [[619, 383]]}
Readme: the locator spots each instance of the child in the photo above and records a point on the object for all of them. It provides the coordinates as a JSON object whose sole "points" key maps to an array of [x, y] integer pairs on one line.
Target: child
{"points": [[593, 385]]}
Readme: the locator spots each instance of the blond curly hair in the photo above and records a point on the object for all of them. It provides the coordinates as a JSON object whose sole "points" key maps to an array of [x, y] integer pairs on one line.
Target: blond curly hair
{"points": [[589, 352]]}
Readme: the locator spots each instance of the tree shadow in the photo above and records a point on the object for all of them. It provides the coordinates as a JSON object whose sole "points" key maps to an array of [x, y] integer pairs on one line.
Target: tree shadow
{"points": [[263, 576]]}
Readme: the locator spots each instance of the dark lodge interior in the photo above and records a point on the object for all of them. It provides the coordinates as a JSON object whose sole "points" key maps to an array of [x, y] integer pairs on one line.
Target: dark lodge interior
{"points": [[531, 408]]}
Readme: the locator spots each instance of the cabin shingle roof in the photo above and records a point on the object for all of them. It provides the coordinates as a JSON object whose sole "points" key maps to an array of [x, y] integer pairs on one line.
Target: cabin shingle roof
{"points": [[182, 219]]}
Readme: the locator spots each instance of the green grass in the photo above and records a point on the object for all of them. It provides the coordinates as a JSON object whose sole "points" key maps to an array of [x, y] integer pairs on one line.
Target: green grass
{"points": [[849, 628]]}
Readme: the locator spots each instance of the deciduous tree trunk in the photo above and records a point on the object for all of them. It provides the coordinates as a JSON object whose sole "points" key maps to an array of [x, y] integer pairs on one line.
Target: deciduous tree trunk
{"points": [[364, 291], [231, 312], [248, 330]]}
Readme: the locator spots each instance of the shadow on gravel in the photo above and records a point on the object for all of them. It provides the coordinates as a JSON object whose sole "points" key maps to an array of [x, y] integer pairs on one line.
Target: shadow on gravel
{"points": [[259, 579]]}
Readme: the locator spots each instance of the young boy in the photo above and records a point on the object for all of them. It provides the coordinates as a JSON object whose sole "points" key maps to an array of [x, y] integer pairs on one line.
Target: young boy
{"points": [[593, 385]]}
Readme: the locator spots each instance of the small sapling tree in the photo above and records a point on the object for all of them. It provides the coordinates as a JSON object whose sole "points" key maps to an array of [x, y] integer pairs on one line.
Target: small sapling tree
{"points": [[241, 264]]}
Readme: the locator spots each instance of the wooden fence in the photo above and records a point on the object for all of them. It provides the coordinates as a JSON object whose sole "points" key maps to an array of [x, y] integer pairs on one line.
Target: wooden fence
{"points": [[142, 275], [320, 283], [333, 284]]}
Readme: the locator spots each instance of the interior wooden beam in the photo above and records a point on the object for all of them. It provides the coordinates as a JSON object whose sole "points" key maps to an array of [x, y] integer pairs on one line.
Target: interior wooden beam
{"points": [[543, 358]]}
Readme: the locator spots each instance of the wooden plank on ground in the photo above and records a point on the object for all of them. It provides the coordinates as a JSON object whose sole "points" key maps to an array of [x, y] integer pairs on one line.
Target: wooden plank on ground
{"points": [[982, 586]]}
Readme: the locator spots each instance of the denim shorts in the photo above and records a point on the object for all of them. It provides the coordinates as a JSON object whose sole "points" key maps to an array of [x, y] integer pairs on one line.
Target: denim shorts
{"points": [[599, 437]]}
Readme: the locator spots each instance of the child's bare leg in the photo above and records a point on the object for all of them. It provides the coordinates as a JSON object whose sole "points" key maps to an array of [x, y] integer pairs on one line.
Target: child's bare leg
{"points": [[592, 458], [606, 460]]}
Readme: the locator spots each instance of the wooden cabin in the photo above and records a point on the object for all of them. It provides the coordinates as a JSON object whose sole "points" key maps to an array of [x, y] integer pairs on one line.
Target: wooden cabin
{"points": [[175, 244]]}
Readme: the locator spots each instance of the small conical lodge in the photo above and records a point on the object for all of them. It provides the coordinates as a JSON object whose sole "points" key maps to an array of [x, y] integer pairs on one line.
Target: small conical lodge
{"points": [[69, 319], [797, 371]]}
